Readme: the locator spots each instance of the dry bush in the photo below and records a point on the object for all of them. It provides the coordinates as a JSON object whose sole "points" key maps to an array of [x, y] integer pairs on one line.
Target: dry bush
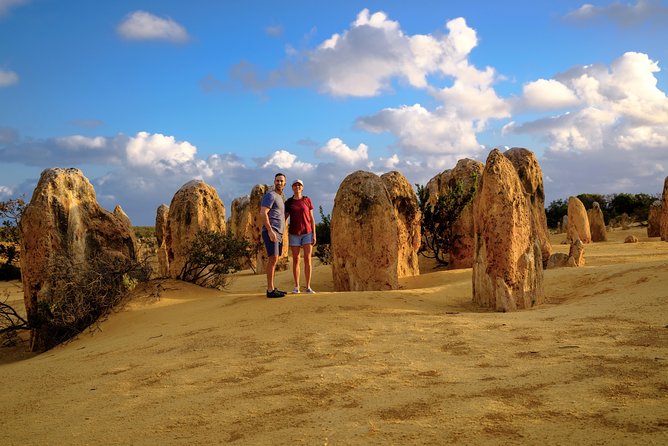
{"points": [[324, 253], [11, 322], [76, 296]]}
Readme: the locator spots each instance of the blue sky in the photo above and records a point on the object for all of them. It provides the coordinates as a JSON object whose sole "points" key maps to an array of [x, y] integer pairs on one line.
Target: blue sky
{"points": [[144, 96]]}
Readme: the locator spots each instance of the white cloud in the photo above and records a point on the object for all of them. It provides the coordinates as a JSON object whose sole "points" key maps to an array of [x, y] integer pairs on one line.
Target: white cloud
{"points": [[224, 162], [82, 142], [8, 78], [365, 59], [362, 60], [158, 151], [548, 95], [472, 99], [282, 159], [420, 131], [338, 150], [6, 5], [390, 163], [274, 30], [613, 138], [141, 25], [622, 14], [6, 192], [616, 106]]}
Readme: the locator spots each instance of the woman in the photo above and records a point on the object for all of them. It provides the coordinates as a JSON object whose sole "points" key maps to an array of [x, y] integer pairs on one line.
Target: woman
{"points": [[301, 233]]}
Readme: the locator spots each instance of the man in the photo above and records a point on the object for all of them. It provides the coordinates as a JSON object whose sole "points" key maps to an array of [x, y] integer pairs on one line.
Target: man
{"points": [[272, 211]]}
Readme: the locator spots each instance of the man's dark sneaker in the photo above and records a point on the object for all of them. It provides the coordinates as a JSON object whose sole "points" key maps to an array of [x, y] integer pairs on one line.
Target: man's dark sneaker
{"points": [[279, 291], [274, 293]]}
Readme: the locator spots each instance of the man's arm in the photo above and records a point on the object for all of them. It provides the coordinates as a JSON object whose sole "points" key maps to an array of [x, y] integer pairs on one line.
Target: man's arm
{"points": [[264, 211], [313, 226]]}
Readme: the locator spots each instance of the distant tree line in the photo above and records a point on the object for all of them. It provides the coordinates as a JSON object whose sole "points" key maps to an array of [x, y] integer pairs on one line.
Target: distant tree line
{"points": [[614, 206]]}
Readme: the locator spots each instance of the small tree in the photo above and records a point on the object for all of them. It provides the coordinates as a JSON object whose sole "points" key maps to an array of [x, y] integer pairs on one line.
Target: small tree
{"points": [[323, 229], [323, 233], [439, 217], [555, 212], [10, 215], [212, 256]]}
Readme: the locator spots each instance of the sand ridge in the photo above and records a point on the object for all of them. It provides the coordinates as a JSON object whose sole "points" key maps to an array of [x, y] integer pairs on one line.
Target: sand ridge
{"points": [[418, 365]]}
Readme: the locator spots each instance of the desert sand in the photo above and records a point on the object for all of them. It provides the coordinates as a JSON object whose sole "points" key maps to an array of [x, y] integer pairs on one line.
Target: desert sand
{"points": [[181, 364]]}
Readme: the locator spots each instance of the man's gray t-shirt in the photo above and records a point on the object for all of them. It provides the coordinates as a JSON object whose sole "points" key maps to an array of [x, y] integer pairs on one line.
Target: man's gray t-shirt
{"points": [[276, 206]]}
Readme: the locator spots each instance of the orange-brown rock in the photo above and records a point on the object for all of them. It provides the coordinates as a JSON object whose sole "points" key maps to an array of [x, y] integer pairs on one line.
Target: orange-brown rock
{"points": [[408, 215], [597, 223], [121, 215], [467, 172], [664, 211], [194, 207], [578, 222], [631, 239], [255, 202], [576, 253], [365, 236], [161, 219], [557, 260], [654, 220], [507, 267], [241, 222], [64, 221], [531, 177]]}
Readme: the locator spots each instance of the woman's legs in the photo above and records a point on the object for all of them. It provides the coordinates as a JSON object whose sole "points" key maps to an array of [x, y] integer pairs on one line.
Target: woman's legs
{"points": [[308, 249], [295, 264]]}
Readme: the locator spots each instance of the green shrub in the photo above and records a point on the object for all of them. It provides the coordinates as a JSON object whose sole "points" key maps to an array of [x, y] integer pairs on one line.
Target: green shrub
{"points": [[212, 256], [144, 232], [439, 217]]}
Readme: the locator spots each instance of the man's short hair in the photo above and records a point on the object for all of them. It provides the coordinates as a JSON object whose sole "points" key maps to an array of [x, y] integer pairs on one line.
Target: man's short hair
{"points": [[279, 174]]}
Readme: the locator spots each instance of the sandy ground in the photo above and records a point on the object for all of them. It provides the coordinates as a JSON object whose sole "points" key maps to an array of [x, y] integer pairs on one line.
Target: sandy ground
{"points": [[420, 365]]}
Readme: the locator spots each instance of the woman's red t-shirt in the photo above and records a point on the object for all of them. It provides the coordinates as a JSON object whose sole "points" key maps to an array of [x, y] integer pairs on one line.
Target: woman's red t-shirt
{"points": [[300, 215]]}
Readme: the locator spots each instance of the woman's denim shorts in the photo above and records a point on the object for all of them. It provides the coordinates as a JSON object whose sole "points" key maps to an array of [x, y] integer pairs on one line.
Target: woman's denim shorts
{"points": [[301, 240]]}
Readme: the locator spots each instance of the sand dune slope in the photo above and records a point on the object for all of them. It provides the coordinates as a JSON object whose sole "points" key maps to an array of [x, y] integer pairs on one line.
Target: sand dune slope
{"points": [[420, 365]]}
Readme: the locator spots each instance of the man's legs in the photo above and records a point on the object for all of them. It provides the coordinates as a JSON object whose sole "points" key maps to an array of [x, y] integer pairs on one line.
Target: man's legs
{"points": [[273, 252], [271, 268]]}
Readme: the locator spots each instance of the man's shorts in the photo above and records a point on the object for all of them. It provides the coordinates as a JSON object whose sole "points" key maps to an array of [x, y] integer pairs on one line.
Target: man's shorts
{"points": [[273, 248], [301, 240]]}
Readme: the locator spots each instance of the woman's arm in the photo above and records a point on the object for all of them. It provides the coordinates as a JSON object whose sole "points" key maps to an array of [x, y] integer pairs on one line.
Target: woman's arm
{"points": [[313, 226]]}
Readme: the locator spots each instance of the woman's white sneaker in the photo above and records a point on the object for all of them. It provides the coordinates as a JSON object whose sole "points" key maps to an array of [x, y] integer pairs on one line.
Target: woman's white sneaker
{"points": [[310, 291], [296, 290]]}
